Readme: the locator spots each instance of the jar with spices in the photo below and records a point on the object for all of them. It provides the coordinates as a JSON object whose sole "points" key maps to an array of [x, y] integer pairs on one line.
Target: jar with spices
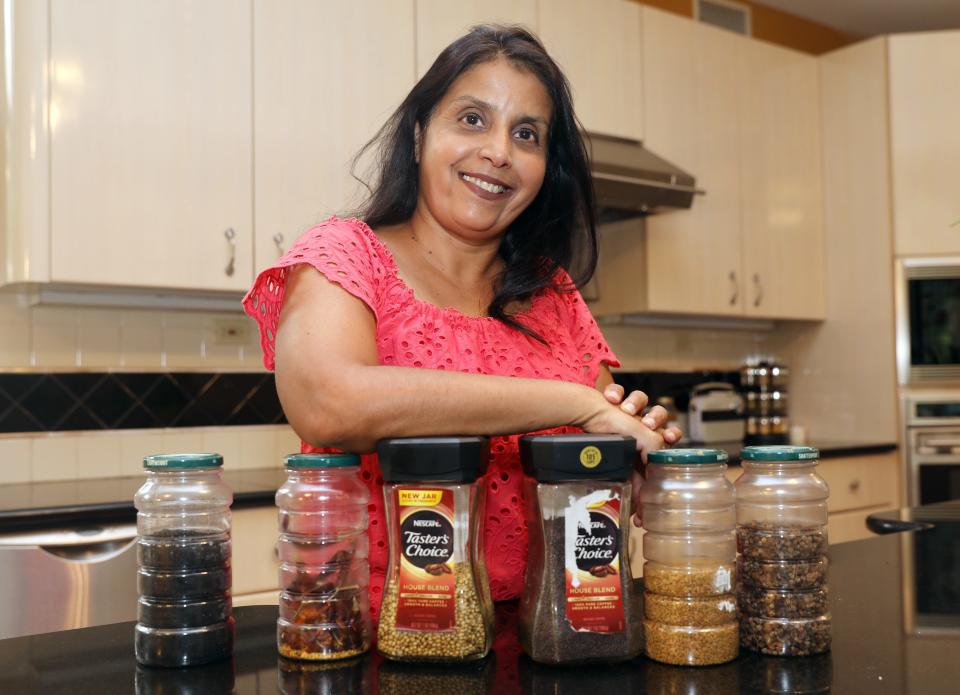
{"points": [[690, 551], [436, 603], [578, 604], [324, 566], [782, 540], [184, 611]]}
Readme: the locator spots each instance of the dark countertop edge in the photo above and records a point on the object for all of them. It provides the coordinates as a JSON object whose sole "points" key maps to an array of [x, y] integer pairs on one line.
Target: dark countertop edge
{"points": [[828, 450], [104, 512]]}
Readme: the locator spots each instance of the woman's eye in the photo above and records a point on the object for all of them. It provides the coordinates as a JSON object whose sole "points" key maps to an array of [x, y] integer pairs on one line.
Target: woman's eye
{"points": [[528, 134], [472, 119]]}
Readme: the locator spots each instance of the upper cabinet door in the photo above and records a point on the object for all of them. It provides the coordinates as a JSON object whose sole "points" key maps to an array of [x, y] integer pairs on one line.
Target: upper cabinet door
{"points": [[597, 44], [328, 75], [925, 140], [150, 123], [439, 22], [692, 109], [782, 239]]}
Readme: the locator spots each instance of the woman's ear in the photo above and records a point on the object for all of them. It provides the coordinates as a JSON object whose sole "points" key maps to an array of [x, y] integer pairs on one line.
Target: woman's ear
{"points": [[417, 132]]}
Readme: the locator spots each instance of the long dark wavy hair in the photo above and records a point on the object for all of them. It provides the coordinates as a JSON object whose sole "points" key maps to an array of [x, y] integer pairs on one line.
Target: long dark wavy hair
{"points": [[558, 228]]}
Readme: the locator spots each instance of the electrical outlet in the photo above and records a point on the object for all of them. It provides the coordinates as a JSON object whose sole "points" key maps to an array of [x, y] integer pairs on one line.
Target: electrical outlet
{"points": [[231, 331]]}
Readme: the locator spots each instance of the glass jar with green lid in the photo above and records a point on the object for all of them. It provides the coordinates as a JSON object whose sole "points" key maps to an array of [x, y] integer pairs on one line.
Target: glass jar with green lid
{"points": [[782, 540], [690, 553], [323, 551], [184, 611]]}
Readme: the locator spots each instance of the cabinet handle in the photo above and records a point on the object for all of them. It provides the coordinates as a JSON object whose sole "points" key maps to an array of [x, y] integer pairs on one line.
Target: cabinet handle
{"points": [[759, 289], [735, 286], [854, 485], [231, 237], [278, 240]]}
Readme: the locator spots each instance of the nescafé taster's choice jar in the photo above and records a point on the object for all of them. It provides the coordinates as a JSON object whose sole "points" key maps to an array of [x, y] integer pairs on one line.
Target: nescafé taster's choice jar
{"points": [[690, 551], [578, 603], [436, 603], [184, 614], [782, 539], [323, 551]]}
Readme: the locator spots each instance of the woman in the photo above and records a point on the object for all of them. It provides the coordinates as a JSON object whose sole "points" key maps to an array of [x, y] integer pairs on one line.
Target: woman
{"points": [[449, 309]]}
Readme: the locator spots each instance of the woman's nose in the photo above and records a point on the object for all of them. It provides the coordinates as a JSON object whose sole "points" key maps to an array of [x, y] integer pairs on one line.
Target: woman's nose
{"points": [[496, 149]]}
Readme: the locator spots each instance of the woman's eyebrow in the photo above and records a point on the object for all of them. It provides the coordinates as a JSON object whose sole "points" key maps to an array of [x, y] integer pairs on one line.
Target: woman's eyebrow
{"points": [[487, 106]]}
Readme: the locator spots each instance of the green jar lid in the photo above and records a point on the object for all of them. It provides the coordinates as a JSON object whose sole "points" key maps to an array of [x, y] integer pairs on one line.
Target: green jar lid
{"points": [[685, 457], [321, 460], [161, 462], [780, 453]]}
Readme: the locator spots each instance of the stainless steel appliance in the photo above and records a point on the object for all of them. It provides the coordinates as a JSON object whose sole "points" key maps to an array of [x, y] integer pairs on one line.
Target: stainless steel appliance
{"points": [[764, 385], [66, 578], [928, 320], [932, 420]]}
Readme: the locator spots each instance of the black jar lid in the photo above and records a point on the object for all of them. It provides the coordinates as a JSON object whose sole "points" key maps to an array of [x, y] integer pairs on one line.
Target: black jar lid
{"points": [[339, 460], [552, 458], [161, 462], [433, 459]]}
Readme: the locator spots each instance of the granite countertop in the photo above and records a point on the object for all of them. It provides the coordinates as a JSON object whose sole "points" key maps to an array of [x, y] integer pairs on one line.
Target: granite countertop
{"points": [[111, 499], [884, 641]]}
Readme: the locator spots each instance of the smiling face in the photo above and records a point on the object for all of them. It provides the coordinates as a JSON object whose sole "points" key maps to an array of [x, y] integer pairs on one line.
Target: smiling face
{"points": [[483, 154]]}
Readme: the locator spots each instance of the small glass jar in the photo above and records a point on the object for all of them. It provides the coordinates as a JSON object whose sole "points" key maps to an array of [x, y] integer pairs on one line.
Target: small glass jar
{"points": [[184, 611], [690, 550], [323, 551], [436, 602], [579, 604], [782, 540]]}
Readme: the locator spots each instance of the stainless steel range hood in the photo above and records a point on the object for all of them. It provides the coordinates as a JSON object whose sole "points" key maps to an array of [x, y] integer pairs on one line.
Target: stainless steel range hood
{"points": [[632, 181]]}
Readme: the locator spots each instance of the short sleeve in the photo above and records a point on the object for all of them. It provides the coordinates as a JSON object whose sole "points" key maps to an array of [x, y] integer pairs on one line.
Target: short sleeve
{"points": [[592, 348], [340, 250]]}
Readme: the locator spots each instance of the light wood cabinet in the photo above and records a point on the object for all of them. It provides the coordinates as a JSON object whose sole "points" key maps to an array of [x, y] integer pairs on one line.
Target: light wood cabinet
{"points": [[924, 77], [780, 177], [439, 22], [320, 96], [151, 143], [743, 117], [692, 112], [598, 46], [255, 564]]}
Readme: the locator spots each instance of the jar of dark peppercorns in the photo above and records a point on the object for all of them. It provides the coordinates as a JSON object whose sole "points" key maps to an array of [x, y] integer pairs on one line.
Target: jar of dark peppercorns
{"points": [[578, 603], [782, 541], [690, 551], [184, 614], [436, 602], [323, 551]]}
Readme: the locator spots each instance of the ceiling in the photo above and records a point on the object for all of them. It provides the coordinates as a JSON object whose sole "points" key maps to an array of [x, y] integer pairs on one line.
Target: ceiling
{"points": [[871, 17]]}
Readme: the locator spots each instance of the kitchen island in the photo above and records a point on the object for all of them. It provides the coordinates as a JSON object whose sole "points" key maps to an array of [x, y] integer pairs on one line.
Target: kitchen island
{"points": [[887, 638]]}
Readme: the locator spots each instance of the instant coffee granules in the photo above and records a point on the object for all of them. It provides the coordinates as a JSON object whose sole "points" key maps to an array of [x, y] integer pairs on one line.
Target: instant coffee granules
{"points": [[436, 603], [579, 604]]}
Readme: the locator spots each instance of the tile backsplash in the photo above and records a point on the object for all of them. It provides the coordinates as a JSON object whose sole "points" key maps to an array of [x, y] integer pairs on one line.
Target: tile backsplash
{"points": [[69, 338]]}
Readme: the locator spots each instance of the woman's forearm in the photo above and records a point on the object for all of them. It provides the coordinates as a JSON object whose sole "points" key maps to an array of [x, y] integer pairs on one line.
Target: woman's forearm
{"points": [[361, 404]]}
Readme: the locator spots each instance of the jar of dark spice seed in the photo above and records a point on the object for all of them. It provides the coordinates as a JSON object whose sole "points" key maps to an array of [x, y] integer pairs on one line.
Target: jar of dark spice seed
{"points": [[436, 602], [690, 551], [782, 540], [184, 612], [578, 604], [323, 551]]}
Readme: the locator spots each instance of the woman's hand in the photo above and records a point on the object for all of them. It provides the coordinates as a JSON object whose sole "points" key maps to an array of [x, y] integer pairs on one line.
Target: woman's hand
{"points": [[634, 404]]}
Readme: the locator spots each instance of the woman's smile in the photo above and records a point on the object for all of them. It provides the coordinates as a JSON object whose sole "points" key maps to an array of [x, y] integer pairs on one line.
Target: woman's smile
{"points": [[486, 187]]}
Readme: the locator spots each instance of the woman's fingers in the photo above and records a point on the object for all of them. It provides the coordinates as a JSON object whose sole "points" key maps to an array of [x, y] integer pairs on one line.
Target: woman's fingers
{"points": [[613, 393], [672, 435], [634, 403], [656, 417]]}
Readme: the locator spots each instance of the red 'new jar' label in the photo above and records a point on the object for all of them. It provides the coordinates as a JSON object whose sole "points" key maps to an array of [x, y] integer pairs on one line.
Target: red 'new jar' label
{"points": [[427, 579], [593, 584]]}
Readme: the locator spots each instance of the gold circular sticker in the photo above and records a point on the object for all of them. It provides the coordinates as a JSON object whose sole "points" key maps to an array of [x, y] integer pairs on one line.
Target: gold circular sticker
{"points": [[590, 457]]}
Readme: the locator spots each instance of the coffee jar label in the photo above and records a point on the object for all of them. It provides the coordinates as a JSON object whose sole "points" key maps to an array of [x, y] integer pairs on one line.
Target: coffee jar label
{"points": [[427, 573], [594, 589]]}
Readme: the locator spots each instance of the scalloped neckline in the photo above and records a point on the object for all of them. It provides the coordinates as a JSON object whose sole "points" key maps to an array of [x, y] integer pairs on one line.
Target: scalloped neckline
{"points": [[408, 291]]}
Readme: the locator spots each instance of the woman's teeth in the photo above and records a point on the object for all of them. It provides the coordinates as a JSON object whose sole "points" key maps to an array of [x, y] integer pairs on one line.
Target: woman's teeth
{"points": [[491, 187]]}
